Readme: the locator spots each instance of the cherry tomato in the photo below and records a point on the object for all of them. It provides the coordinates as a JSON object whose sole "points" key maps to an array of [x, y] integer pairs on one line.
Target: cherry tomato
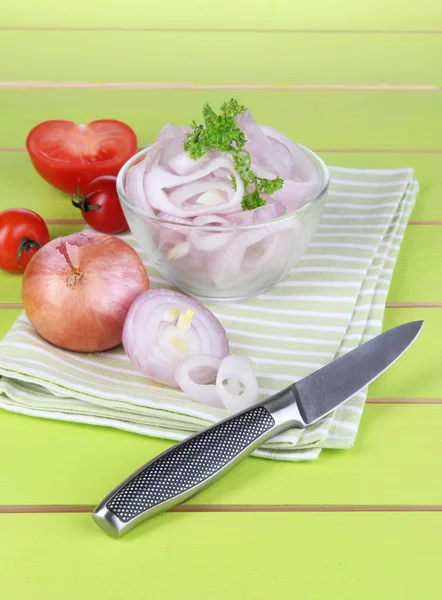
{"points": [[101, 207], [64, 153], [22, 233]]}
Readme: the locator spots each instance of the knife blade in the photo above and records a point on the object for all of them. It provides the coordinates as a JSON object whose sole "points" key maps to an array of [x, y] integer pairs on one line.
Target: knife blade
{"points": [[191, 465], [325, 389]]}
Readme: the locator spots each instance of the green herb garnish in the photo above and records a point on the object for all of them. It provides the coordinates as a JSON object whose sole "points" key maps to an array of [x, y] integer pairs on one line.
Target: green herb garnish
{"points": [[221, 132]]}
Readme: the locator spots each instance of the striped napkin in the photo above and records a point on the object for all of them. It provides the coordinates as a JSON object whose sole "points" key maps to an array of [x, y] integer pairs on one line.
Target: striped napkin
{"points": [[330, 303]]}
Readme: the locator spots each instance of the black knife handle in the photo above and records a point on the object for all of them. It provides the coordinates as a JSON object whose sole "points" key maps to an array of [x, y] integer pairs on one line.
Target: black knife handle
{"points": [[184, 470]]}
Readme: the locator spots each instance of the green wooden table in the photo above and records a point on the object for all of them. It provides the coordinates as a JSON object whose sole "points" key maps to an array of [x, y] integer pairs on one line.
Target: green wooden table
{"points": [[358, 82]]}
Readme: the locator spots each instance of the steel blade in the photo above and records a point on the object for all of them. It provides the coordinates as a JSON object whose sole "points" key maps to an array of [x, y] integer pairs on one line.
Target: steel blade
{"points": [[325, 389]]}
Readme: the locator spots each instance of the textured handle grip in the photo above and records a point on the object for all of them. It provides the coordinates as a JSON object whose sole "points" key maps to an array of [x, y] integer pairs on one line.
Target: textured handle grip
{"points": [[183, 470]]}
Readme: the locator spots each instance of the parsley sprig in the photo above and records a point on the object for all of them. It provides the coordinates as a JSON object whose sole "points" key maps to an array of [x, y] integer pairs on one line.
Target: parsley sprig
{"points": [[221, 132]]}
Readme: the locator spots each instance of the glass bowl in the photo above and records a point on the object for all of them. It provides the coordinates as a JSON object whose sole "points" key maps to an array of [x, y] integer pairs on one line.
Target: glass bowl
{"points": [[226, 262]]}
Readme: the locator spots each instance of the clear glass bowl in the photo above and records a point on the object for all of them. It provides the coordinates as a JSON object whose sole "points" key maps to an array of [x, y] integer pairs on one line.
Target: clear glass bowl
{"points": [[236, 261]]}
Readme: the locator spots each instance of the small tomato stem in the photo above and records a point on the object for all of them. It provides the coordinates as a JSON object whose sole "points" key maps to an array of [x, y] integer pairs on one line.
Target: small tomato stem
{"points": [[82, 202], [25, 245]]}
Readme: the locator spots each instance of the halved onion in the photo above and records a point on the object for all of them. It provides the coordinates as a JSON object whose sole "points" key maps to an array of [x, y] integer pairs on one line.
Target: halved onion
{"points": [[164, 328]]}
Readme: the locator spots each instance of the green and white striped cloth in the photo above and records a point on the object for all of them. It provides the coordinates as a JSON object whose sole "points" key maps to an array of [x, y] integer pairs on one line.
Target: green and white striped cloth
{"points": [[330, 303]]}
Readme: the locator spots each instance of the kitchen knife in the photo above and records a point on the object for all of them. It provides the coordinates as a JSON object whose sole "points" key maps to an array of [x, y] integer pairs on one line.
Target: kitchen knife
{"points": [[193, 464]]}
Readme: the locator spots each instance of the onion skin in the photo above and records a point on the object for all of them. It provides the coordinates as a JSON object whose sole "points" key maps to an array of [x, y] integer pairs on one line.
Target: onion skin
{"points": [[78, 290]]}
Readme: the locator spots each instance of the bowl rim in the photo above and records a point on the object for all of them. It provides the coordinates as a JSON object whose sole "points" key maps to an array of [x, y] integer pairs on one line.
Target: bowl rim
{"points": [[312, 200]]}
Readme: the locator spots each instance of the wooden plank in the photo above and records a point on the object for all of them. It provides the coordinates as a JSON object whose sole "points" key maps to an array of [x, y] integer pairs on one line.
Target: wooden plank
{"points": [[22, 186], [79, 464], [418, 272], [418, 372], [427, 168], [7, 318], [184, 556], [319, 119], [370, 473], [247, 14], [417, 275], [270, 58]]}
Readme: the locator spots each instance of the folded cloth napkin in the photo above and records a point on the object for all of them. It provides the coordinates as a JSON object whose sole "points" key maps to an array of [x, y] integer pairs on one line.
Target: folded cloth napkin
{"points": [[330, 303]]}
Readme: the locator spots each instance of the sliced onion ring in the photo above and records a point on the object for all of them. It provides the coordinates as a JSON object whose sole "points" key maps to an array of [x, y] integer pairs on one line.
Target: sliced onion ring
{"points": [[158, 180], [204, 393], [239, 369], [271, 210], [206, 241]]}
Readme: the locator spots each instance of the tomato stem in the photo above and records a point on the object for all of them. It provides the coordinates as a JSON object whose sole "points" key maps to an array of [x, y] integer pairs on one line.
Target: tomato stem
{"points": [[82, 202], [25, 245]]}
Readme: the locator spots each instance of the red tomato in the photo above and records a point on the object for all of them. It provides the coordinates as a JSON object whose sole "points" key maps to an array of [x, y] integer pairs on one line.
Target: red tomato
{"points": [[22, 233], [101, 206], [65, 153]]}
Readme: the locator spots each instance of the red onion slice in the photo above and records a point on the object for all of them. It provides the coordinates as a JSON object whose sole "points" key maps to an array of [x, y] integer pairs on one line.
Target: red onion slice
{"points": [[304, 169], [226, 265], [172, 141], [158, 180], [192, 266], [164, 328], [222, 188], [185, 377], [170, 238], [240, 370], [182, 164], [262, 151], [206, 241], [271, 210], [304, 181], [135, 188], [173, 218]]}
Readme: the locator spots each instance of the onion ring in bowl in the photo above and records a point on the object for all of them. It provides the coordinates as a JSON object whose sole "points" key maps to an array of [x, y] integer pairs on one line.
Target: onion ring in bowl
{"points": [[225, 266], [262, 151], [210, 242], [135, 187], [271, 210], [182, 164], [158, 180]]}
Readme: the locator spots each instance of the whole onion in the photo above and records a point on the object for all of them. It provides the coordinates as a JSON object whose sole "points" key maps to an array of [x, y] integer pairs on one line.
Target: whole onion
{"points": [[78, 289], [164, 328]]}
